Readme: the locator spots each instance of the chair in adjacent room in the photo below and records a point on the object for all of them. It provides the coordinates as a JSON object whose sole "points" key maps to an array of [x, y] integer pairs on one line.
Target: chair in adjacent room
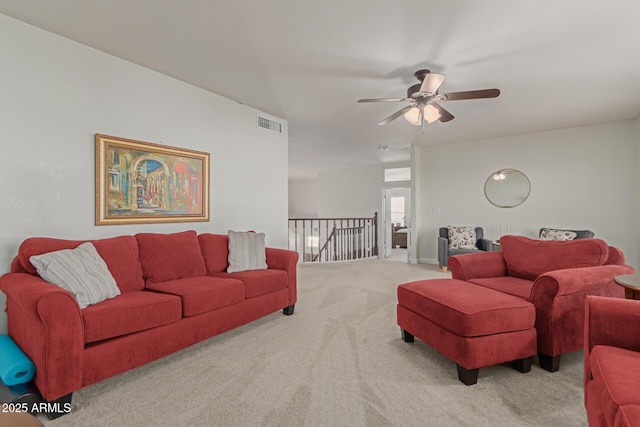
{"points": [[460, 240]]}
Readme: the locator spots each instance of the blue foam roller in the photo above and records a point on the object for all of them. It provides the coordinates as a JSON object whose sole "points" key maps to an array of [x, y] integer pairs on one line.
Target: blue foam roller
{"points": [[15, 366]]}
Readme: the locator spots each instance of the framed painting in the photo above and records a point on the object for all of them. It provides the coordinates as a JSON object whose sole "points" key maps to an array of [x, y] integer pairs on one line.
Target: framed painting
{"points": [[141, 182]]}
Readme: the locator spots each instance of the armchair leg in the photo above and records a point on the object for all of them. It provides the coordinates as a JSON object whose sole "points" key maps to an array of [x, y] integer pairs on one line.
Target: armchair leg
{"points": [[407, 336], [444, 268], [550, 363]]}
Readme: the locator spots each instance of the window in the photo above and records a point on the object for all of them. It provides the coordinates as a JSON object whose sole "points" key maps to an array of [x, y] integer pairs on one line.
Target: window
{"points": [[397, 174], [397, 210]]}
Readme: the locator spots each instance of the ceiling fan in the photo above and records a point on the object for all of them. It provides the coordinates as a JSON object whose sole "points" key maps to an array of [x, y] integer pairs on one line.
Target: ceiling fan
{"points": [[424, 99]]}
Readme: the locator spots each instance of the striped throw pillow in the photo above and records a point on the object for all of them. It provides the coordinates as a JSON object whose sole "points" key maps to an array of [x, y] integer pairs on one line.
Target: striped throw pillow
{"points": [[81, 271], [246, 251]]}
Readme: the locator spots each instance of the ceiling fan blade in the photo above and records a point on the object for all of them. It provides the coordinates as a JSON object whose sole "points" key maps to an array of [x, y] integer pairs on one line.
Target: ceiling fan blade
{"points": [[432, 82], [471, 94], [382, 100], [395, 115], [445, 116]]}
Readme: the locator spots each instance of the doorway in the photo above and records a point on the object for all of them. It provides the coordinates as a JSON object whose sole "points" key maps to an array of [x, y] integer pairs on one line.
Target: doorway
{"points": [[396, 220]]}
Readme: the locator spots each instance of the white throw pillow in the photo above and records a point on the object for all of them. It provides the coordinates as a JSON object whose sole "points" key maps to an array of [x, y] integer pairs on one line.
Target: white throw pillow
{"points": [[246, 251], [559, 235], [462, 237], [81, 271]]}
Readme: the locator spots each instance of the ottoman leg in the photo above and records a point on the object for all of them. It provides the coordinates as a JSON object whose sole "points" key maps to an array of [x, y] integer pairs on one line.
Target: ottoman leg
{"points": [[467, 376], [522, 365], [406, 336]]}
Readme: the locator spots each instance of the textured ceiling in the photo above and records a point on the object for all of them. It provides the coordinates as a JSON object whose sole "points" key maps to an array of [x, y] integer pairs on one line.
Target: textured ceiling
{"points": [[558, 63]]}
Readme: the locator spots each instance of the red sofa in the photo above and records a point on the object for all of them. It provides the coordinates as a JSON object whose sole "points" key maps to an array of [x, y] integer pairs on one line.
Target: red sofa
{"points": [[555, 277], [612, 362], [174, 292]]}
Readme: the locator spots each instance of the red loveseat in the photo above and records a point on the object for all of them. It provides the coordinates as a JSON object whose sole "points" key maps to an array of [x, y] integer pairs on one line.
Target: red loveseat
{"points": [[175, 292], [555, 277], [612, 362]]}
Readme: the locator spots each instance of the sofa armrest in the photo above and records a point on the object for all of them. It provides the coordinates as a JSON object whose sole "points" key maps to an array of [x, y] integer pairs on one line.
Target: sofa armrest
{"points": [[559, 298], [478, 265], [283, 259], [485, 245], [580, 280], [46, 323], [609, 321]]}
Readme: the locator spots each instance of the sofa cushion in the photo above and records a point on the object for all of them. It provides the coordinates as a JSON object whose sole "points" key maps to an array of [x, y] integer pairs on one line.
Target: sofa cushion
{"points": [[259, 282], [528, 259], [616, 256], [454, 252], [170, 256], [215, 251], [129, 312], [246, 251], [120, 254], [515, 286], [80, 271], [201, 294], [616, 377]]}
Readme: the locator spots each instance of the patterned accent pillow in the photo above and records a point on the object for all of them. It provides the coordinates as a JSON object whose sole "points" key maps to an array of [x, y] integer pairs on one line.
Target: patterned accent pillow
{"points": [[559, 235], [246, 251], [462, 237], [81, 271]]}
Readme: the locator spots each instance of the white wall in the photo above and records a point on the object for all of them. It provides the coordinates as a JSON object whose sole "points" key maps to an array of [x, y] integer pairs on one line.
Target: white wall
{"points": [[581, 178], [303, 198], [56, 94], [350, 193], [354, 192]]}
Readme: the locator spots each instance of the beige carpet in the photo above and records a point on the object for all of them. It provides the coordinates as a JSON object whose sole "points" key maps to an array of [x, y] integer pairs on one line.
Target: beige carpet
{"points": [[338, 361]]}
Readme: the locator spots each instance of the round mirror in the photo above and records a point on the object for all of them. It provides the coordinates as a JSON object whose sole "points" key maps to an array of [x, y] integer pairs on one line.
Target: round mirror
{"points": [[507, 188]]}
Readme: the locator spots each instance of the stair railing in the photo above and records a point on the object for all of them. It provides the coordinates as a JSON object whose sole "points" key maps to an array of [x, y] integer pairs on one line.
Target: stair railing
{"points": [[334, 239]]}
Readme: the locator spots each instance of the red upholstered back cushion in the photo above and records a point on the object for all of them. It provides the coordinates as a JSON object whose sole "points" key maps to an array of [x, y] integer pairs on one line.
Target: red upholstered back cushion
{"points": [[616, 256], [119, 253], [170, 256], [215, 250], [528, 259]]}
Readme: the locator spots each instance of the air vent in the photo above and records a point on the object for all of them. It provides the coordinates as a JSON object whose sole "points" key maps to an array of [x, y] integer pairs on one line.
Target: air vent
{"points": [[270, 125]]}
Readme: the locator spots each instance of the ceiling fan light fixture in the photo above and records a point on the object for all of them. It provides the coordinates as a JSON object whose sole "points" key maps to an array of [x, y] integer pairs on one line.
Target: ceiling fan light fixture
{"points": [[424, 98], [413, 116], [431, 113]]}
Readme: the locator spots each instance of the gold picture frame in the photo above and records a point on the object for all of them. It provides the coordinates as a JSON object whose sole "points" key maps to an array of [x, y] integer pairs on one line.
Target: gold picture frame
{"points": [[141, 182]]}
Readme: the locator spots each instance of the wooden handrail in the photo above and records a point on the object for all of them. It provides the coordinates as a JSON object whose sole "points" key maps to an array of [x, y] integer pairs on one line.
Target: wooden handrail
{"points": [[326, 243]]}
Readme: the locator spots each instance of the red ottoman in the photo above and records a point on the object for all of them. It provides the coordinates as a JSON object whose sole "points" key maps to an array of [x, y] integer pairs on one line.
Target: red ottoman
{"points": [[471, 325]]}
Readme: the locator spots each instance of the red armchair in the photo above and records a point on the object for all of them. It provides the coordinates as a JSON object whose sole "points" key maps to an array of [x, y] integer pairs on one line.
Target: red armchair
{"points": [[555, 277], [612, 362]]}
